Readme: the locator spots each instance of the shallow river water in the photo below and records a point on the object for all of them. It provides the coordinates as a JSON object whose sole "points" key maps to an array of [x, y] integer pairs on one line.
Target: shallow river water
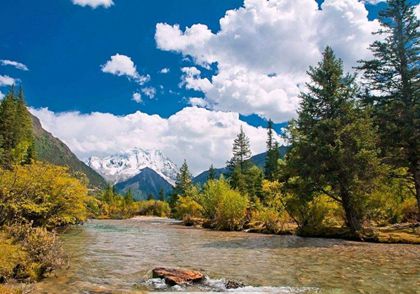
{"points": [[117, 256]]}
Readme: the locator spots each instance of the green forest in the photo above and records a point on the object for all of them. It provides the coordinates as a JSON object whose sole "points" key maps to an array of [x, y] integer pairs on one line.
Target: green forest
{"points": [[352, 167]]}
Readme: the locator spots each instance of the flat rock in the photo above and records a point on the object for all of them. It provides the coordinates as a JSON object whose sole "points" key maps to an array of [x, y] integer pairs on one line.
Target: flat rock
{"points": [[176, 276]]}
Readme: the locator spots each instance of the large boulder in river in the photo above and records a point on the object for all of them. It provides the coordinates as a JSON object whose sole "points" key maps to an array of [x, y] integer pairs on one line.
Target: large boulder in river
{"points": [[175, 276]]}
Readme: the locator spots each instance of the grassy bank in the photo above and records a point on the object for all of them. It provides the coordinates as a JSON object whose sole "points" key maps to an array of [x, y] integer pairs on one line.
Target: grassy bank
{"points": [[406, 233]]}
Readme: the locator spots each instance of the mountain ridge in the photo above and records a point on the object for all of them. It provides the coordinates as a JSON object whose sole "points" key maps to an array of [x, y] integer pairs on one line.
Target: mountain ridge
{"points": [[52, 150], [122, 166], [146, 182]]}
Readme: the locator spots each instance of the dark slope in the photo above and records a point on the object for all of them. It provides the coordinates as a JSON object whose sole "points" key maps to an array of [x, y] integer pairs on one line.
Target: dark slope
{"points": [[147, 182], [52, 150], [258, 160]]}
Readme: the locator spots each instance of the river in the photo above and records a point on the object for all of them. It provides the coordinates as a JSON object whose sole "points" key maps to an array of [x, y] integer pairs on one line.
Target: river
{"points": [[116, 256]]}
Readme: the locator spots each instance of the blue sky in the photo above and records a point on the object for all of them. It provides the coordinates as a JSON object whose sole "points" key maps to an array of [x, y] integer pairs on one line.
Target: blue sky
{"points": [[64, 46]]}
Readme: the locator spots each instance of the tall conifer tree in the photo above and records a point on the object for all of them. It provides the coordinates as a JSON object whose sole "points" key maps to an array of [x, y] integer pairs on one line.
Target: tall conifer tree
{"points": [[183, 181], [333, 148], [241, 152], [393, 87], [212, 173], [272, 155]]}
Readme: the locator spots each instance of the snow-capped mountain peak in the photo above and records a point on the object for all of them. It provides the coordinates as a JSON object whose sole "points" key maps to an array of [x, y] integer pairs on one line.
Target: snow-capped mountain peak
{"points": [[124, 165]]}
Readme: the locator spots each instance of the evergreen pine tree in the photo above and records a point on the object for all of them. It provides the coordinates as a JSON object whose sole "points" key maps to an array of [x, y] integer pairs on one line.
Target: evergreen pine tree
{"points": [[108, 195], [161, 194], [241, 152], [17, 143], [128, 197], [393, 87], [183, 181], [272, 155], [333, 143], [24, 132], [8, 128], [211, 173]]}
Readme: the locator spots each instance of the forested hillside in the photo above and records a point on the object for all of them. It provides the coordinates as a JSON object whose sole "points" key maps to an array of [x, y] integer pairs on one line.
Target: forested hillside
{"points": [[50, 149]]}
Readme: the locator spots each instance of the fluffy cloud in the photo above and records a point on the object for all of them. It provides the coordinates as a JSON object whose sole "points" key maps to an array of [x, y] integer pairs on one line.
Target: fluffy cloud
{"points": [[6, 81], [149, 92], [122, 65], [263, 49], [374, 2], [200, 136], [137, 97], [191, 79], [15, 64], [197, 101], [165, 70], [94, 3]]}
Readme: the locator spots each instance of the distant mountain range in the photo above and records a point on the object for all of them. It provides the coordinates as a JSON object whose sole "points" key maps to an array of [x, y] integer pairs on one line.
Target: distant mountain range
{"points": [[52, 150], [147, 182], [124, 165], [258, 160], [144, 172]]}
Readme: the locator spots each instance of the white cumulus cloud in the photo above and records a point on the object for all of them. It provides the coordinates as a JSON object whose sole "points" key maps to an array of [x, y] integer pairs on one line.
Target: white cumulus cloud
{"points": [[374, 2], [15, 64], [94, 3], [200, 136], [197, 101], [7, 81], [137, 97], [149, 92], [165, 70], [263, 49], [122, 65]]}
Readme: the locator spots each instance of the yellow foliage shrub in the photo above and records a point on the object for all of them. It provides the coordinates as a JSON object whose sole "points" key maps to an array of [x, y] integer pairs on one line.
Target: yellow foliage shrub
{"points": [[43, 194], [187, 208], [154, 207]]}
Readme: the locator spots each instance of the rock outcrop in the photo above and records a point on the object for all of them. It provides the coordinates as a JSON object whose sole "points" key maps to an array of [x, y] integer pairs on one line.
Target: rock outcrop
{"points": [[175, 276]]}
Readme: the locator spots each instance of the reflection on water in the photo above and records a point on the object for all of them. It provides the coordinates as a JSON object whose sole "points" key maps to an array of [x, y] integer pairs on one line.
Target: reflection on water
{"points": [[117, 256]]}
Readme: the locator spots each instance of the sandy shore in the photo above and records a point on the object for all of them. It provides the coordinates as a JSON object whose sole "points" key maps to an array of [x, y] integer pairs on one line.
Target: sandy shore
{"points": [[145, 218]]}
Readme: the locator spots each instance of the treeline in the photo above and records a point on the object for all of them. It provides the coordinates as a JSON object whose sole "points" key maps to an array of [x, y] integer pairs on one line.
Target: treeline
{"points": [[353, 159], [16, 137], [111, 204]]}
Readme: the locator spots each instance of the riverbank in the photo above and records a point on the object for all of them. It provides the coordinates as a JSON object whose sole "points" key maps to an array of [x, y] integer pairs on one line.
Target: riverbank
{"points": [[405, 233]]}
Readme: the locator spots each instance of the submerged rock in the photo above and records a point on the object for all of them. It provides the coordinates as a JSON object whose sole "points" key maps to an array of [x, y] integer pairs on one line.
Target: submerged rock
{"points": [[234, 285], [175, 276]]}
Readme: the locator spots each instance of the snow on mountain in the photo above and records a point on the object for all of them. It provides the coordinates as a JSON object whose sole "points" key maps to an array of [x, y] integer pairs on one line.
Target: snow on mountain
{"points": [[125, 165]]}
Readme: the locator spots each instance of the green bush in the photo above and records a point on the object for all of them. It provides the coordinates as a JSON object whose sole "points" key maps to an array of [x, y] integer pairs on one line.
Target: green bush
{"points": [[224, 207], [316, 214], [154, 208], [392, 201], [271, 218]]}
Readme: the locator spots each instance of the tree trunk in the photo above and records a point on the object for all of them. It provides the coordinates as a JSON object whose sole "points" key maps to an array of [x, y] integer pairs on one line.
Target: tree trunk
{"points": [[352, 216]]}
